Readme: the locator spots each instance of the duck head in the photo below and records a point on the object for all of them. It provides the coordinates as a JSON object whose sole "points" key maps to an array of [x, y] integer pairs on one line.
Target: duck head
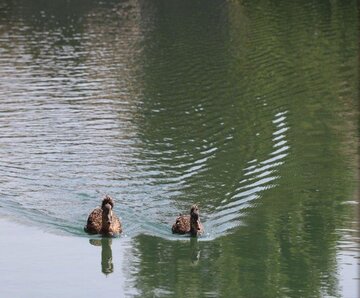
{"points": [[195, 225]]}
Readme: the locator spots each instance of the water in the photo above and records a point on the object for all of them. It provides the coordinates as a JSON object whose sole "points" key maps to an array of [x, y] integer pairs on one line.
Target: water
{"points": [[248, 108]]}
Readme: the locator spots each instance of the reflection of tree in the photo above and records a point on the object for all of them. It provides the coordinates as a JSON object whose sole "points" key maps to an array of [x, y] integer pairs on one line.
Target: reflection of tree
{"points": [[174, 267], [213, 76], [188, 79], [201, 95], [302, 214], [107, 265]]}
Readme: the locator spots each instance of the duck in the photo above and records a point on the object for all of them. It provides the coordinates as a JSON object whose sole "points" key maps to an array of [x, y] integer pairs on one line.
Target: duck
{"points": [[103, 220], [189, 224]]}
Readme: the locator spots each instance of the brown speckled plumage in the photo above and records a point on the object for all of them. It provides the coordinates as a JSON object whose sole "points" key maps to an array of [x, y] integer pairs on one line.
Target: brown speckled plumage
{"points": [[181, 225], [103, 220], [189, 224]]}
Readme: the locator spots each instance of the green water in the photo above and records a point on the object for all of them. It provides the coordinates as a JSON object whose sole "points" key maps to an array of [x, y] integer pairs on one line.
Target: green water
{"points": [[249, 108]]}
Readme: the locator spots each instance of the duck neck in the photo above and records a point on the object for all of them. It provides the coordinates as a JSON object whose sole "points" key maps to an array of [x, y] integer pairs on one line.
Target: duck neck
{"points": [[106, 223], [194, 226]]}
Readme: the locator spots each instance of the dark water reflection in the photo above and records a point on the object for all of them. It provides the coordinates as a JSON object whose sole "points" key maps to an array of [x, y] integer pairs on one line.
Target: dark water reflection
{"points": [[248, 108]]}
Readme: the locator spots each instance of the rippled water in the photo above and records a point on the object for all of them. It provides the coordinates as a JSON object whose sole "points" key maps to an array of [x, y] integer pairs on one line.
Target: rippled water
{"points": [[249, 109]]}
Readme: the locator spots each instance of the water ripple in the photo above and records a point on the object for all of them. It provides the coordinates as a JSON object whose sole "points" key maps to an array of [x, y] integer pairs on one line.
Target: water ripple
{"points": [[157, 116], [260, 176]]}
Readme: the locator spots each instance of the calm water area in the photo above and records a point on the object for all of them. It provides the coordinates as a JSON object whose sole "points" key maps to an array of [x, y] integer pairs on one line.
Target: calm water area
{"points": [[248, 108]]}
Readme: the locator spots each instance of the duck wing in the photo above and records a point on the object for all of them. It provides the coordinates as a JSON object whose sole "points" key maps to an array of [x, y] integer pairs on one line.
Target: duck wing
{"points": [[94, 222], [116, 226], [181, 225]]}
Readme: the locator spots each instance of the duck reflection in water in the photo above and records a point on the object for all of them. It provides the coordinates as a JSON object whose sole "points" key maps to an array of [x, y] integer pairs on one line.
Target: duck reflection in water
{"points": [[195, 251], [107, 265]]}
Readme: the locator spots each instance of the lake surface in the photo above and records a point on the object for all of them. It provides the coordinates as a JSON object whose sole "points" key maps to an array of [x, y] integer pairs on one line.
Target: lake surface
{"points": [[248, 108]]}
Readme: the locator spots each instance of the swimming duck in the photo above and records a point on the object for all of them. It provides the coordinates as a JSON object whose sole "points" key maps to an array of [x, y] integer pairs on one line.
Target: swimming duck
{"points": [[189, 224], [102, 220]]}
